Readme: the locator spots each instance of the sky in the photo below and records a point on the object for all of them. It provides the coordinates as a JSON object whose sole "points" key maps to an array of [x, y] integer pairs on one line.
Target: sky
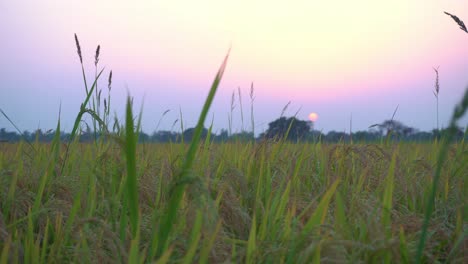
{"points": [[348, 61]]}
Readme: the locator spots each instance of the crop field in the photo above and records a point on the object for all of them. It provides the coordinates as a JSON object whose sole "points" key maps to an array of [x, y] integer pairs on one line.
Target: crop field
{"points": [[246, 202], [115, 200]]}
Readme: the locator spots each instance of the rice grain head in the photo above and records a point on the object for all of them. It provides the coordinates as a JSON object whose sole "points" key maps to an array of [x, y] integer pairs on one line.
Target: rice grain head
{"points": [[96, 57], [78, 48], [110, 81]]}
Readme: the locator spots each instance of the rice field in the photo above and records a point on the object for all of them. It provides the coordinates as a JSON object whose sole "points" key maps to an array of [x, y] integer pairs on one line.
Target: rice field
{"points": [[117, 201], [246, 202]]}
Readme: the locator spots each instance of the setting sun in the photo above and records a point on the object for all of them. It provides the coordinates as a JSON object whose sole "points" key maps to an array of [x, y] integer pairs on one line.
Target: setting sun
{"points": [[313, 117]]}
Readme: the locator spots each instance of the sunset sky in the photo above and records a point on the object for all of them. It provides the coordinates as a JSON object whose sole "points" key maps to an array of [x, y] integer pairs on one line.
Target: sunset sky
{"points": [[338, 58]]}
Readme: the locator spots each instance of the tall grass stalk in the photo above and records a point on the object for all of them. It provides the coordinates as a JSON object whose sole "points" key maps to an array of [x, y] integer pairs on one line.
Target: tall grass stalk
{"points": [[458, 113], [241, 110], [436, 94], [131, 139], [184, 178], [230, 114], [252, 99]]}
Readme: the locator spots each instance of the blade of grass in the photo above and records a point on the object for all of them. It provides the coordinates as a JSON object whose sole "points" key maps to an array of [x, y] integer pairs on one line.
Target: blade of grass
{"points": [[388, 196], [208, 244], [403, 247], [130, 154], [195, 238], [179, 185], [78, 118], [318, 217], [251, 243], [458, 113]]}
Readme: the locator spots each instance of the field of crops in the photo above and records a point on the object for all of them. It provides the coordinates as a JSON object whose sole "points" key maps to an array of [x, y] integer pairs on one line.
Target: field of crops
{"points": [[270, 201], [245, 202]]}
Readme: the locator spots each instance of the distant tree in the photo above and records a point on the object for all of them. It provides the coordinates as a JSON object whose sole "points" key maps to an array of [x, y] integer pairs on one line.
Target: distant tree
{"points": [[396, 128], [422, 136], [143, 137], [242, 136], [459, 134], [189, 133], [223, 136], [6, 136], [164, 136], [314, 135], [366, 136], [335, 136], [87, 135], [298, 129]]}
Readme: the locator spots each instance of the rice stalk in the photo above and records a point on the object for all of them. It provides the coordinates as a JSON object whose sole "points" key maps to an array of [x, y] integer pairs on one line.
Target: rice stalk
{"points": [[241, 110], [252, 98], [458, 21], [184, 178], [458, 113], [436, 94]]}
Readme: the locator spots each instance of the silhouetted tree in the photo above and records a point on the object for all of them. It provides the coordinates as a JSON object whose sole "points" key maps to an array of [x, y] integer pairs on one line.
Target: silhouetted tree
{"points": [[242, 136], [298, 129], [189, 133], [396, 128], [223, 136], [143, 137], [164, 136], [366, 136], [335, 136]]}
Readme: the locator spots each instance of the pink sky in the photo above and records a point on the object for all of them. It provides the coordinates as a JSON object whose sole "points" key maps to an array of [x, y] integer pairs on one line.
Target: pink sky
{"points": [[336, 58]]}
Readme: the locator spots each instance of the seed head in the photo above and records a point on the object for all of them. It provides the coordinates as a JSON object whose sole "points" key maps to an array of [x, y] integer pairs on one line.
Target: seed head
{"points": [[252, 91], [110, 81], [436, 85], [78, 48], [458, 21], [96, 57]]}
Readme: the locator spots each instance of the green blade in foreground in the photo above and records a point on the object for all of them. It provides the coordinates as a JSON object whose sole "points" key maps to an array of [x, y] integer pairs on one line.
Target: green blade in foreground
{"points": [[458, 113], [183, 179], [131, 183]]}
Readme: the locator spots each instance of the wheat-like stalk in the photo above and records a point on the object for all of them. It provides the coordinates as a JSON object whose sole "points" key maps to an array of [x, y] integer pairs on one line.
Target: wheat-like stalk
{"points": [[110, 81], [436, 94], [285, 108], [230, 115], [458, 21], [96, 57], [241, 110], [252, 98], [78, 48]]}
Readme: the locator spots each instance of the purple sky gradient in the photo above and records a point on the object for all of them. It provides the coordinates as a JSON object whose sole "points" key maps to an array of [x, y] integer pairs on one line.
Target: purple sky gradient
{"points": [[166, 57]]}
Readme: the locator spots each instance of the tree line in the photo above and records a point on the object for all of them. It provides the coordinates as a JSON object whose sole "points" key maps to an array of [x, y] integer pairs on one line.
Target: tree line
{"points": [[291, 129]]}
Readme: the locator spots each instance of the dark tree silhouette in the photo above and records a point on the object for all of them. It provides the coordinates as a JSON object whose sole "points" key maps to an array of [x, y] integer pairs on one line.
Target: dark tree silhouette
{"points": [[188, 134], [396, 128], [278, 128]]}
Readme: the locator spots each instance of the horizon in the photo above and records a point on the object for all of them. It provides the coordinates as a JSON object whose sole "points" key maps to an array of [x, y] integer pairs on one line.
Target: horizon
{"points": [[344, 61]]}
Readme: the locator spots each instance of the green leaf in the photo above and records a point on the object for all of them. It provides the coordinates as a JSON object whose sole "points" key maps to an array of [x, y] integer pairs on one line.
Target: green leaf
{"points": [[318, 217]]}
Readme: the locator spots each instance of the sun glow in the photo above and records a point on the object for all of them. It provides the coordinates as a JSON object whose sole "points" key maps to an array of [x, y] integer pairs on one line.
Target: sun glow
{"points": [[313, 117]]}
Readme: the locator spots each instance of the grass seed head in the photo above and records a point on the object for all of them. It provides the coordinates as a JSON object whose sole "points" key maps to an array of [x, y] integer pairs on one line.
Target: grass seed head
{"points": [[458, 21], [78, 48], [285, 108], [436, 85], [110, 81], [252, 91], [96, 57]]}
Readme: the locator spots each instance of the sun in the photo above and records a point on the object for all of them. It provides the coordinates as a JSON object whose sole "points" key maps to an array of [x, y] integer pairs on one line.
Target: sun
{"points": [[313, 117]]}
